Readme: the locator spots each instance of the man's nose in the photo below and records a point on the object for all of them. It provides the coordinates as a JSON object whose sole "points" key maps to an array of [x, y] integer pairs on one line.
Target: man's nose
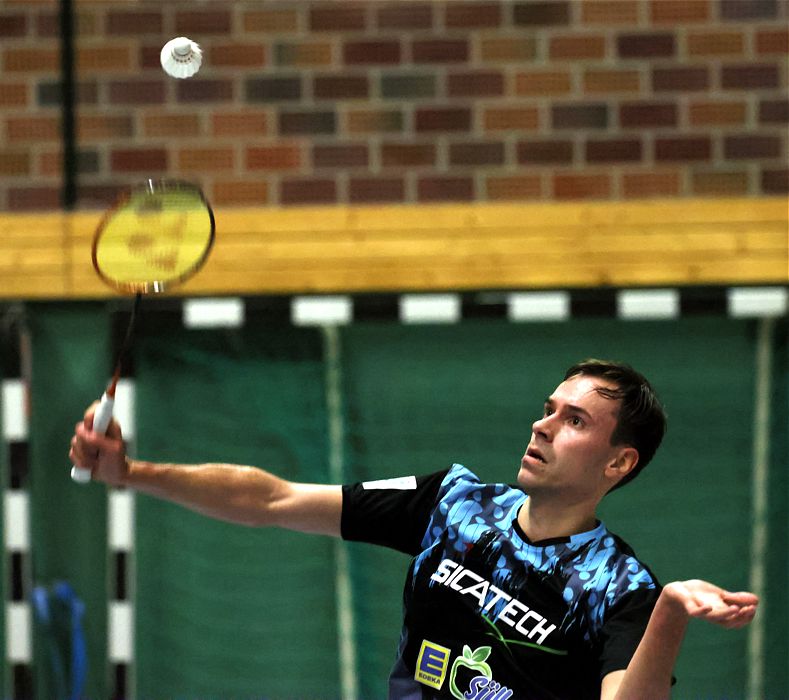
{"points": [[543, 428]]}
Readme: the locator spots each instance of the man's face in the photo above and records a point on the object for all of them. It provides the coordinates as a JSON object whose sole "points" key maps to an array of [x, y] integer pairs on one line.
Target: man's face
{"points": [[570, 445]]}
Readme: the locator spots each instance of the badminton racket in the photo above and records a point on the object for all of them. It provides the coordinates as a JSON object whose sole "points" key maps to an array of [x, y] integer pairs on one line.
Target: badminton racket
{"points": [[157, 235]]}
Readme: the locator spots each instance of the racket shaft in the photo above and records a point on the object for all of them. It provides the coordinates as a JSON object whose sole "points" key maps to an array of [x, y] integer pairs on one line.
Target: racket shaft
{"points": [[101, 419]]}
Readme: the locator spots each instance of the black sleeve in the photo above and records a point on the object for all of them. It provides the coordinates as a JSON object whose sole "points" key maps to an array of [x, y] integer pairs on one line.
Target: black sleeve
{"points": [[624, 627], [391, 517]]}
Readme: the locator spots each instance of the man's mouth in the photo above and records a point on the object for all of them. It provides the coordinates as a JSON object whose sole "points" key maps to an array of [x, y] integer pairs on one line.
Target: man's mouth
{"points": [[535, 454]]}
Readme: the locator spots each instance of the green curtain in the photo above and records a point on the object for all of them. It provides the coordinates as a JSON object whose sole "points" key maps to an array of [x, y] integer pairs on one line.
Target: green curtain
{"points": [[70, 368], [421, 397], [225, 612]]}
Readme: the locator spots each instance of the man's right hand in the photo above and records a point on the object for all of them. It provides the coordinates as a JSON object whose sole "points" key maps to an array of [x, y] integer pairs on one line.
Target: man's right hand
{"points": [[103, 455]]}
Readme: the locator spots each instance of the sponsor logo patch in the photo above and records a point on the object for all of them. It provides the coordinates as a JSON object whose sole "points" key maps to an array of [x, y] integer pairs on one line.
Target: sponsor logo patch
{"points": [[431, 666]]}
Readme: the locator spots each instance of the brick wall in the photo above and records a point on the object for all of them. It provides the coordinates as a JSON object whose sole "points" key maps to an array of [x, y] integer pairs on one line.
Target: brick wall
{"points": [[411, 101]]}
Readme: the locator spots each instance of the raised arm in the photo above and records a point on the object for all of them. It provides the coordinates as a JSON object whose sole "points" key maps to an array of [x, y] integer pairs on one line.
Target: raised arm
{"points": [[648, 676], [234, 493]]}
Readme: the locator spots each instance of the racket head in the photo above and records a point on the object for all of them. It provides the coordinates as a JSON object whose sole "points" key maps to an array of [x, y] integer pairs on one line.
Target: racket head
{"points": [[157, 235]]}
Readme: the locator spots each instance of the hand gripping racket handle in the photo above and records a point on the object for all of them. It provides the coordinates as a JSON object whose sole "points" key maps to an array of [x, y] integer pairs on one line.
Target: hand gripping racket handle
{"points": [[101, 419]]}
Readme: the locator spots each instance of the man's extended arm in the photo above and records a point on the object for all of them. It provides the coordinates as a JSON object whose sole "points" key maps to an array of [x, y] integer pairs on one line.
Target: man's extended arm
{"points": [[648, 676], [234, 493]]}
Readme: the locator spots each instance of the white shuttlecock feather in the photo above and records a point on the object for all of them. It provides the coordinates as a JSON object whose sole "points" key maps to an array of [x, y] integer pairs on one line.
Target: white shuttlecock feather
{"points": [[181, 57]]}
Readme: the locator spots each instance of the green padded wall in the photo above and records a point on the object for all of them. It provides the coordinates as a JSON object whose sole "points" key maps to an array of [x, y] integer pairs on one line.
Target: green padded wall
{"points": [[70, 369], [225, 612]]}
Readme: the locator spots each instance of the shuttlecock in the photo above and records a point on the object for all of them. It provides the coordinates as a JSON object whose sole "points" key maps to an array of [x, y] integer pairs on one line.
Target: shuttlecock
{"points": [[181, 57]]}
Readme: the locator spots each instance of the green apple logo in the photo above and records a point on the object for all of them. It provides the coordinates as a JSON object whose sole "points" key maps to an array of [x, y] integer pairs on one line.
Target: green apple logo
{"points": [[471, 659]]}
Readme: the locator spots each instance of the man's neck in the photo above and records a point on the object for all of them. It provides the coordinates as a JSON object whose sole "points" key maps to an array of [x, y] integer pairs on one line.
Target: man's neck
{"points": [[544, 520]]}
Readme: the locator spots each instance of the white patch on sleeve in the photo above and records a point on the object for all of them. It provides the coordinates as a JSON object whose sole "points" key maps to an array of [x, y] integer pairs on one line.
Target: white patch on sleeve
{"points": [[402, 483]]}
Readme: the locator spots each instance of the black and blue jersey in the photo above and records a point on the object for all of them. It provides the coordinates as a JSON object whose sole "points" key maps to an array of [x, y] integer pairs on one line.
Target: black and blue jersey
{"points": [[489, 615]]}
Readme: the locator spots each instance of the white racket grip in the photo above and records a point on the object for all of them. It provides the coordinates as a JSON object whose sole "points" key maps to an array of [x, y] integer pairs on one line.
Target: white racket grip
{"points": [[101, 419]]}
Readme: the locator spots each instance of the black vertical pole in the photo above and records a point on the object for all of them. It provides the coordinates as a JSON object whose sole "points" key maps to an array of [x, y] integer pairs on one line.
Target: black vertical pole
{"points": [[68, 99]]}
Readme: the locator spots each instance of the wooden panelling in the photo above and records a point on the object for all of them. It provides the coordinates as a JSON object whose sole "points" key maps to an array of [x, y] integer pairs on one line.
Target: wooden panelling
{"points": [[430, 248]]}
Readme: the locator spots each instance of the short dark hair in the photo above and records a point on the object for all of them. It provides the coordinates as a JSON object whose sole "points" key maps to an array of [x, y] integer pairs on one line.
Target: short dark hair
{"points": [[641, 422]]}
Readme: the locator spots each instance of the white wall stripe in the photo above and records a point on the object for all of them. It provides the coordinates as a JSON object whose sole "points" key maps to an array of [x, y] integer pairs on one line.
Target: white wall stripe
{"points": [[213, 313], [324, 310], [18, 633], [120, 635], [15, 423], [538, 306], [120, 521], [638, 304], [16, 521], [124, 410], [430, 308], [751, 302]]}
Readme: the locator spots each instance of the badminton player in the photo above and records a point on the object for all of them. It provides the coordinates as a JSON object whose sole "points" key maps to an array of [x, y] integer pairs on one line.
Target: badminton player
{"points": [[512, 592]]}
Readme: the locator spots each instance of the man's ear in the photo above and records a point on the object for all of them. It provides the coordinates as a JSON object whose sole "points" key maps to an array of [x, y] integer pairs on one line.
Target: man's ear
{"points": [[624, 463]]}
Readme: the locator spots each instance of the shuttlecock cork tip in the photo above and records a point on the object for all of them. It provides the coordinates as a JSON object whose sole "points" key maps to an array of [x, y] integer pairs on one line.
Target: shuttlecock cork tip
{"points": [[181, 57]]}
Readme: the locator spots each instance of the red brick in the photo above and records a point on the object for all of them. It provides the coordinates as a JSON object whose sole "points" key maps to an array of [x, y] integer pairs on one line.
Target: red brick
{"points": [[407, 155], [274, 21], [244, 123], [366, 190], [340, 156], [445, 189], [511, 118], [651, 184], [337, 16], [104, 59], [577, 46], [706, 43], [249, 55], [476, 154], [172, 125], [541, 83], [683, 148], [752, 146], [674, 12], [647, 114], [132, 23], [340, 87], [308, 191], [750, 76], [32, 129], [475, 84], [204, 90], [440, 51], [748, 9], [609, 12], [276, 88], [371, 53], [541, 14], [138, 160], [443, 119], [13, 95], [12, 24], [467, 15], [202, 22], [278, 157], [399, 15], [137, 92], [206, 160], [579, 116], [706, 113], [613, 150], [588, 186], [14, 163], [514, 187], [720, 183], [40, 198], [93, 128], [305, 122], [653, 45], [774, 111], [772, 41], [367, 121], [99, 196], [602, 81], [775, 181], [542, 152], [240, 193], [680, 79], [31, 60]]}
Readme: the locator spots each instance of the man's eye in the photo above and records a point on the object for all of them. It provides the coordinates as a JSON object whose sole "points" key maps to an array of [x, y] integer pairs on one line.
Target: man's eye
{"points": [[576, 421]]}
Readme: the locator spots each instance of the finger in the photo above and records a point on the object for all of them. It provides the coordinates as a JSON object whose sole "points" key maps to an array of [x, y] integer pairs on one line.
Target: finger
{"points": [[740, 598]]}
